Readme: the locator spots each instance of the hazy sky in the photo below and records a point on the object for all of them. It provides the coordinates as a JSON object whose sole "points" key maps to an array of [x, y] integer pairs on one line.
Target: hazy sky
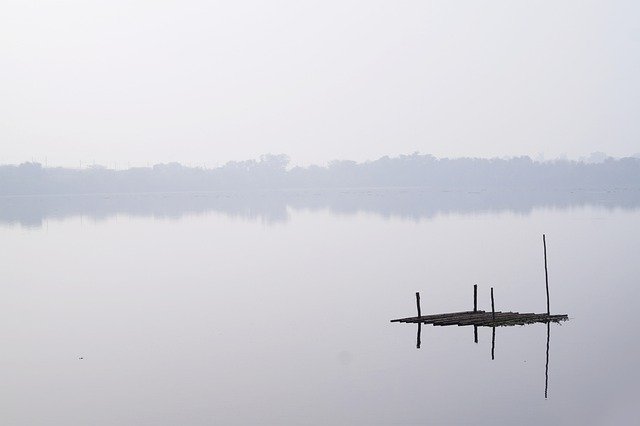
{"points": [[206, 82]]}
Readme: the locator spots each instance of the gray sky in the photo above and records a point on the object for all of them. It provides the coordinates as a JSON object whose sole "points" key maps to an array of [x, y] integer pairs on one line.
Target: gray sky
{"points": [[207, 82]]}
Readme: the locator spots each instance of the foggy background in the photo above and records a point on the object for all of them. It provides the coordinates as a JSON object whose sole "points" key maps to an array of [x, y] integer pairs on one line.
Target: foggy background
{"points": [[210, 211], [124, 83]]}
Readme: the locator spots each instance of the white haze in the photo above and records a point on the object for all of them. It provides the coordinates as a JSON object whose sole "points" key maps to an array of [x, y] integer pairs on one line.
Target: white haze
{"points": [[205, 82]]}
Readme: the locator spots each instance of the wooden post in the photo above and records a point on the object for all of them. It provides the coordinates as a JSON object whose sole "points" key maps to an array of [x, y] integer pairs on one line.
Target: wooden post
{"points": [[475, 298], [546, 275], [419, 323], [475, 309], [493, 311]]}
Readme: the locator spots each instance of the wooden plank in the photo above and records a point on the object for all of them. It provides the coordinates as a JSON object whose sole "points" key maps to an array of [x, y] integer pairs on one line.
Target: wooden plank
{"points": [[521, 320], [482, 318], [486, 316], [430, 317], [489, 318]]}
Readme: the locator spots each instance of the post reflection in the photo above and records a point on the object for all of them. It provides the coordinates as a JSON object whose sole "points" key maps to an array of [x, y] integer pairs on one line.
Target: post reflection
{"points": [[493, 348], [546, 367], [493, 342]]}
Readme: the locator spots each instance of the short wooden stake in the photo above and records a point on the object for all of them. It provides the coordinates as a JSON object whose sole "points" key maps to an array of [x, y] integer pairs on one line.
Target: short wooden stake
{"points": [[546, 275], [419, 323], [493, 311], [475, 298]]}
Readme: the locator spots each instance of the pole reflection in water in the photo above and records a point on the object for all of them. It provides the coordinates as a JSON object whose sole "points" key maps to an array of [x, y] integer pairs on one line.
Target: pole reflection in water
{"points": [[486, 319], [546, 368], [493, 342], [493, 349]]}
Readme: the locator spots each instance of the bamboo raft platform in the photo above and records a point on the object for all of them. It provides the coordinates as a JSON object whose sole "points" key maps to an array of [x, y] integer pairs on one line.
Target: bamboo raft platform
{"points": [[494, 318], [478, 318], [483, 319]]}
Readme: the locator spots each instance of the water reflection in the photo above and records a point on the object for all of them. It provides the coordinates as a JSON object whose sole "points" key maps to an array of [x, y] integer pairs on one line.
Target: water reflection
{"points": [[493, 343], [493, 348], [479, 318], [546, 366], [273, 206]]}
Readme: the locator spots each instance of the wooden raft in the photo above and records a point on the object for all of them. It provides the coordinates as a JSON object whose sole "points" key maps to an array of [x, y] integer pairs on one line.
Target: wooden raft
{"points": [[483, 319], [492, 318]]}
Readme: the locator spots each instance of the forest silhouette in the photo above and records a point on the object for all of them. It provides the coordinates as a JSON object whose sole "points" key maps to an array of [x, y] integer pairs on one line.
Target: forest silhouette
{"points": [[272, 172]]}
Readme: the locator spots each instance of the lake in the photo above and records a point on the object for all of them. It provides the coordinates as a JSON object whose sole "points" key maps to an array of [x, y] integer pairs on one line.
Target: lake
{"points": [[275, 308]]}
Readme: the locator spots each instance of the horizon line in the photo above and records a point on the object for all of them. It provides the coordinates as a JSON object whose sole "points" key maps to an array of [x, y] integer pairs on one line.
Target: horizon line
{"points": [[593, 158]]}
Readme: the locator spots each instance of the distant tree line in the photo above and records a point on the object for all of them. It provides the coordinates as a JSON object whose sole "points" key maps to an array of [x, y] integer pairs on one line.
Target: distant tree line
{"points": [[272, 172]]}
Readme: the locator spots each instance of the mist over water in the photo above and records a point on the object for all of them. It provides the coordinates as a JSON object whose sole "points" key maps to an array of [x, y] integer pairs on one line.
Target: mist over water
{"points": [[273, 307]]}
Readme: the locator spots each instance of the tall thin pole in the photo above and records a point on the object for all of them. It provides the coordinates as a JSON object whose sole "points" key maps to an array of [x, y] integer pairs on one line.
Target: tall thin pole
{"points": [[546, 275], [475, 298], [418, 303]]}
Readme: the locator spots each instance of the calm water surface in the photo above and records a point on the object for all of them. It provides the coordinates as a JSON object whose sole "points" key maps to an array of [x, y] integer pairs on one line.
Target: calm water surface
{"points": [[277, 311]]}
